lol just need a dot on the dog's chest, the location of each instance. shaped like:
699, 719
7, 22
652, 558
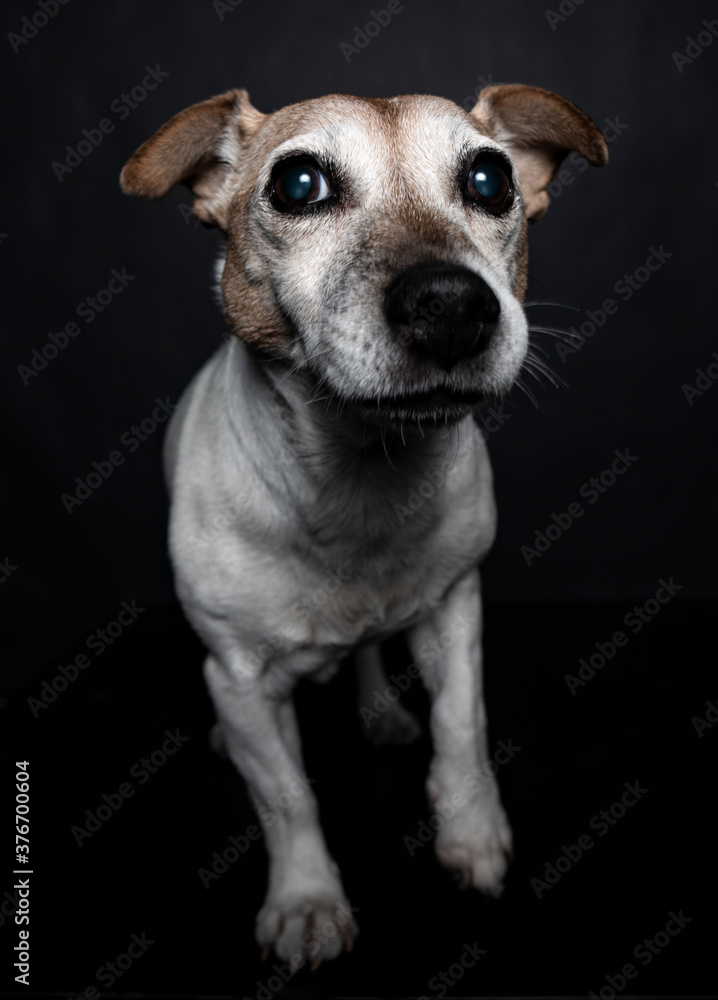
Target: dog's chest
379, 597
383, 559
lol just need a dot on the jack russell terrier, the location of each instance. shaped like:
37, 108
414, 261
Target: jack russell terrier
373, 283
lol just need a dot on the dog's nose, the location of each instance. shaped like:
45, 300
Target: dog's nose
442, 311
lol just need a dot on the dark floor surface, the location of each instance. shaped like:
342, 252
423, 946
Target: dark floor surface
138, 873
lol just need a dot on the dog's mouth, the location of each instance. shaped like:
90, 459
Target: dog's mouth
439, 406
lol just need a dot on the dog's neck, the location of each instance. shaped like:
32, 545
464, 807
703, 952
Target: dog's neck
322, 458
328, 427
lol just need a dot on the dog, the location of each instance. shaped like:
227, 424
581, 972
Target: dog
373, 284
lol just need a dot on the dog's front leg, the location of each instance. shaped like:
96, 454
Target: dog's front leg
305, 916
394, 724
475, 837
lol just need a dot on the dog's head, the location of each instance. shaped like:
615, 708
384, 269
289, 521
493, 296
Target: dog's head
378, 245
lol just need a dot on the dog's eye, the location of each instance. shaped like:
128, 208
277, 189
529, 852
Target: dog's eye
301, 184
489, 184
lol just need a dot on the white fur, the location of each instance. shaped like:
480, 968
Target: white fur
287, 547
287, 521
295, 464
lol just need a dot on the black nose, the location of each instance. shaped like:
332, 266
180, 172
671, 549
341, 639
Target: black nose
442, 311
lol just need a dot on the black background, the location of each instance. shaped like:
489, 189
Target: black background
61, 240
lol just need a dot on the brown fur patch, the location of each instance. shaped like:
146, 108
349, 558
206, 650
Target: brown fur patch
191, 149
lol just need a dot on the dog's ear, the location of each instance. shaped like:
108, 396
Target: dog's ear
199, 147
538, 128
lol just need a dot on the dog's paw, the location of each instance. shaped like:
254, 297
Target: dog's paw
306, 929
477, 846
396, 725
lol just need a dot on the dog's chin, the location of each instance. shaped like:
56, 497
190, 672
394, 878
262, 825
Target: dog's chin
440, 406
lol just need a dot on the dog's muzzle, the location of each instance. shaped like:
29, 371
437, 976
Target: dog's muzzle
443, 312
